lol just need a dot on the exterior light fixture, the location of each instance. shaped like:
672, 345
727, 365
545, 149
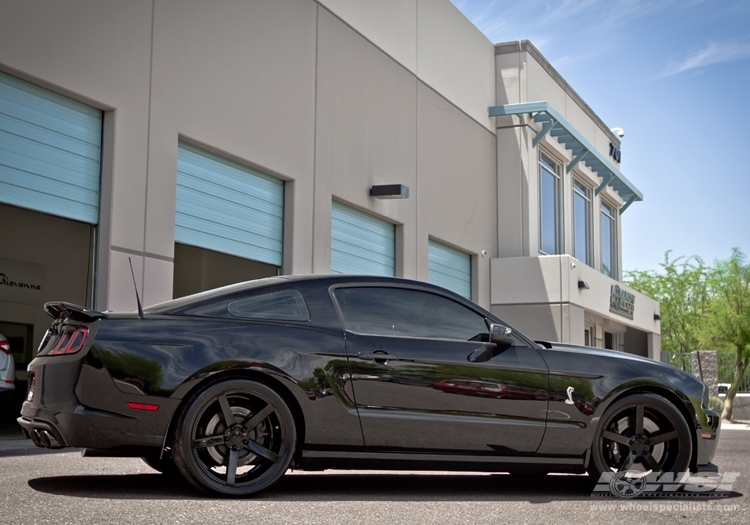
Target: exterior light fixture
657, 317
583, 285
390, 191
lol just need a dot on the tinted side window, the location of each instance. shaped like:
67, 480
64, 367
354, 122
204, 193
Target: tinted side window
287, 305
412, 313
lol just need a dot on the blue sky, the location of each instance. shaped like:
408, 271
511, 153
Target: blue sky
675, 75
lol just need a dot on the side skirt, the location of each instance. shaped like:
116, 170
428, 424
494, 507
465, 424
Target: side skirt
355, 460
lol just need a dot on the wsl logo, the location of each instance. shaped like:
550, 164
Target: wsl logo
628, 484
635, 484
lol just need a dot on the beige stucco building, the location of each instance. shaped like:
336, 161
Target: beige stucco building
213, 142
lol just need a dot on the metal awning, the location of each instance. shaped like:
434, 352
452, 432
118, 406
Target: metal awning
554, 124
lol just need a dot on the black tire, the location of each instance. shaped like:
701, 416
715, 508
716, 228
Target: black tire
235, 438
163, 464
641, 432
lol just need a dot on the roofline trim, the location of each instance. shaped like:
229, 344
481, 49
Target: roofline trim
556, 125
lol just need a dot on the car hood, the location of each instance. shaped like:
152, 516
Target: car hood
613, 354
641, 368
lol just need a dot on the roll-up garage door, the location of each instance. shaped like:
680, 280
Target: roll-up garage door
450, 268
50, 151
226, 207
361, 243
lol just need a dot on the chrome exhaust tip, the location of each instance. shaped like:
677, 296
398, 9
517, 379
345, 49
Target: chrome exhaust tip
36, 437
44, 437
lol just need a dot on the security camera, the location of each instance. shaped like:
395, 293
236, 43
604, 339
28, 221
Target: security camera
618, 131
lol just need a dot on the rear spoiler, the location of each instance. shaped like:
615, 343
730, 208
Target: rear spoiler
56, 310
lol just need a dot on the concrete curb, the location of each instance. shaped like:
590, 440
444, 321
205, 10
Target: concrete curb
735, 425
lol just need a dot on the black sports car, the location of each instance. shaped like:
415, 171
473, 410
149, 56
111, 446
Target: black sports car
233, 386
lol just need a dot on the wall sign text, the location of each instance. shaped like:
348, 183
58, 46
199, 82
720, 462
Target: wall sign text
615, 152
621, 302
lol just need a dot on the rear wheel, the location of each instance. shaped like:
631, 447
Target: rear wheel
642, 433
235, 438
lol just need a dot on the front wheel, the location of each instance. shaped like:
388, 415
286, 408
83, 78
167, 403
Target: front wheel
235, 438
644, 433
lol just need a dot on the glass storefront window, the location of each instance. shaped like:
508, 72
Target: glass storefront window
549, 206
582, 222
609, 240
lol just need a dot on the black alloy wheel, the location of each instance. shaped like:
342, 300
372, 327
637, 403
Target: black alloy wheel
234, 438
644, 433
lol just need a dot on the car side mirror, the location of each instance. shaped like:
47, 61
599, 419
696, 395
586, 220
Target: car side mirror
500, 335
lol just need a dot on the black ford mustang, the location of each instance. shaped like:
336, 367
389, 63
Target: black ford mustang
233, 386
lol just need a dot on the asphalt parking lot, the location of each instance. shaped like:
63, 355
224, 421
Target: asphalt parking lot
61, 487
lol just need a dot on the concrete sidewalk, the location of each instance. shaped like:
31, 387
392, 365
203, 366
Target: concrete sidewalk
735, 425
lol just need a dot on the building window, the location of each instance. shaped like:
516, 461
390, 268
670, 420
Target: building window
549, 206
589, 338
582, 223
609, 240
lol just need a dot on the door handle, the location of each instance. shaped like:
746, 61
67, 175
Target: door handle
379, 356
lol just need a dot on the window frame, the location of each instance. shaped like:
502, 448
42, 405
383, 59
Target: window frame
589, 330
583, 190
546, 162
521, 340
347, 325
608, 210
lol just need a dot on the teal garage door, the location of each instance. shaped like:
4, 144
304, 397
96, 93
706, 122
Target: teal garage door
50, 151
229, 208
361, 243
450, 268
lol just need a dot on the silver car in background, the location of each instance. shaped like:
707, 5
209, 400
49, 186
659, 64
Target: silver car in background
7, 370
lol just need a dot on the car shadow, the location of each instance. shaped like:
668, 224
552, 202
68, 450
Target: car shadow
348, 487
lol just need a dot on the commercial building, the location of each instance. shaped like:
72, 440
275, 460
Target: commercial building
214, 142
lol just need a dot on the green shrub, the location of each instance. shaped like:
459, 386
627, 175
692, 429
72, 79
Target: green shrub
716, 404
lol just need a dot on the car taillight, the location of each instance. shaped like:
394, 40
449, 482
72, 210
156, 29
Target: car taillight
70, 341
5, 346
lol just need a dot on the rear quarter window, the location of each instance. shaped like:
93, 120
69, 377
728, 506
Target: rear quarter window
286, 305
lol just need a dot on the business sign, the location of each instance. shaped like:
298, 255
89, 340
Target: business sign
615, 152
621, 302
21, 282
